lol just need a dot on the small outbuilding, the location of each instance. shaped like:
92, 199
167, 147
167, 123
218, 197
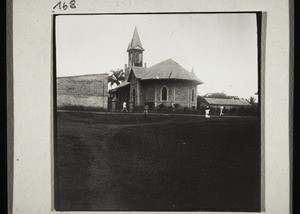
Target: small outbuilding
226, 103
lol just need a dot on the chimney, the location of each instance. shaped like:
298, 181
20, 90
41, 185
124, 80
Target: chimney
125, 67
145, 65
192, 70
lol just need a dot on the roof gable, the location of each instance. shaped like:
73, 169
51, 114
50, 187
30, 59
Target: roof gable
138, 72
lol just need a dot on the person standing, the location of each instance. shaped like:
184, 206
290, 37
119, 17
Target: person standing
146, 110
207, 116
221, 110
124, 107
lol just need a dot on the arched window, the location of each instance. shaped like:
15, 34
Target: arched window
193, 95
164, 93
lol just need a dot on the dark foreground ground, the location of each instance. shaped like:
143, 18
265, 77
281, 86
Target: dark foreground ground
165, 163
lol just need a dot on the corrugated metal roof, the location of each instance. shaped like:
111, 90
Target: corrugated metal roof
169, 69
227, 102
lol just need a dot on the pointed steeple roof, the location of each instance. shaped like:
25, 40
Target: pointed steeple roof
135, 41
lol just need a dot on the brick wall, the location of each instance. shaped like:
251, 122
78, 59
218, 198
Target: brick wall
83, 91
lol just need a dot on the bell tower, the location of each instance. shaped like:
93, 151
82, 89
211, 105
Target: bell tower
135, 50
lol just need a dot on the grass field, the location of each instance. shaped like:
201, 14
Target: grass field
163, 163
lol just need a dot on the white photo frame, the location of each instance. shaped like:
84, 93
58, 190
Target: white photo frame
31, 139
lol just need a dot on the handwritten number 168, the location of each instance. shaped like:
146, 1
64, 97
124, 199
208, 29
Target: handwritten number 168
65, 6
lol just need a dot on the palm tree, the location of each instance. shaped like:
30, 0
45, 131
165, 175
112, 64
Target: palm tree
252, 100
117, 77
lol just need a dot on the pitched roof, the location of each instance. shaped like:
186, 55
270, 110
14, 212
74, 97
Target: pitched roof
139, 72
169, 69
125, 83
227, 102
135, 41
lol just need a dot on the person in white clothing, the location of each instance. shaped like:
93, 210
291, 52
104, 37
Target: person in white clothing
124, 107
221, 110
207, 112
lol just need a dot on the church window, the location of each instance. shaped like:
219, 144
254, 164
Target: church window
164, 93
193, 95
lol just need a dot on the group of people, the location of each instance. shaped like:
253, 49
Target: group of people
207, 110
146, 110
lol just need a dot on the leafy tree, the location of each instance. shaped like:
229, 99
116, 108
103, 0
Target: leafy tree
216, 95
116, 77
220, 95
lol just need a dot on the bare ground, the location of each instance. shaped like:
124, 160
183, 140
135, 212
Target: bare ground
163, 163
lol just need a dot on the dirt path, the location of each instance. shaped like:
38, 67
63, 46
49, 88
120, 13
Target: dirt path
106, 164
100, 168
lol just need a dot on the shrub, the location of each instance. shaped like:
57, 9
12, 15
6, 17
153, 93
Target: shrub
81, 108
161, 106
138, 108
177, 106
232, 111
201, 109
151, 105
225, 110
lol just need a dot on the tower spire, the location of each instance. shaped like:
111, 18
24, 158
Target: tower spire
135, 41
135, 50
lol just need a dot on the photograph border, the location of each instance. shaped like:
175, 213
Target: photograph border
261, 34
31, 154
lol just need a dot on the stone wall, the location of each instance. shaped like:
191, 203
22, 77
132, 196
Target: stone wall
178, 92
147, 92
90, 91
183, 94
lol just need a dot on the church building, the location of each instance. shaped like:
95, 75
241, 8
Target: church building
165, 83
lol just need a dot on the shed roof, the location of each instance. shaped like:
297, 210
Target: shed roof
169, 69
227, 102
125, 83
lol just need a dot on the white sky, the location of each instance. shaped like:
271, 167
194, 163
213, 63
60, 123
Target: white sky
222, 48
